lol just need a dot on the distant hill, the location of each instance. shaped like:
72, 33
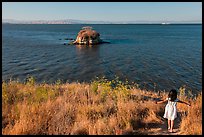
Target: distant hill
66, 21
72, 21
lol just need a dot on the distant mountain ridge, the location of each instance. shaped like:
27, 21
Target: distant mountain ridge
73, 21
66, 21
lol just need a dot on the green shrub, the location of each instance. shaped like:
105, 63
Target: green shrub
41, 94
30, 80
94, 87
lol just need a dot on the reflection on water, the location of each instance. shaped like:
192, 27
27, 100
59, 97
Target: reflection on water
87, 48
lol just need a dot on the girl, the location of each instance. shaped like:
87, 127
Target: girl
171, 109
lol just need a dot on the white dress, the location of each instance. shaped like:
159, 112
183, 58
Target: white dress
171, 109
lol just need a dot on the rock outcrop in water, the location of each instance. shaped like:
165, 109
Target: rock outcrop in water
87, 36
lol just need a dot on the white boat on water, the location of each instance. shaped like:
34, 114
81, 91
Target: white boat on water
164, 23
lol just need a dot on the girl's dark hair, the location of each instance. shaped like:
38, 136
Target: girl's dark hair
172, 95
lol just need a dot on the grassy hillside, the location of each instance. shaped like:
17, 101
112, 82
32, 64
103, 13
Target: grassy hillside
101, 107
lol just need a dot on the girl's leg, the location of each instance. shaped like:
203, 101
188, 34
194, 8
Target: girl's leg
172, 124
169, 124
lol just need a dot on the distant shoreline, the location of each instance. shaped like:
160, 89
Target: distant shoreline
107, 24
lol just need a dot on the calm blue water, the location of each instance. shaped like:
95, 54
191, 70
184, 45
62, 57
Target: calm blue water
169, 56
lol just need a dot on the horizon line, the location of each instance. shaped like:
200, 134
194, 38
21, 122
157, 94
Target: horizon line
144, 21
105, 24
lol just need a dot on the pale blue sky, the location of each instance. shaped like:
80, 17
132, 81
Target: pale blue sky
103, 11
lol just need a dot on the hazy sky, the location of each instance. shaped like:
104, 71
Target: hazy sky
103, 11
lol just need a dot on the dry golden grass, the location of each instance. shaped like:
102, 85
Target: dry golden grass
191, 123
88, 109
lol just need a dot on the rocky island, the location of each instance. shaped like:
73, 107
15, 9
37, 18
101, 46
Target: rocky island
87, 36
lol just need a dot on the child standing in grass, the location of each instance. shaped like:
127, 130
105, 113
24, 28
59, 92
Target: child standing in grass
171, 109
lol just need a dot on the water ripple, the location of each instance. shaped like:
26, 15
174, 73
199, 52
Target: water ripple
168, 56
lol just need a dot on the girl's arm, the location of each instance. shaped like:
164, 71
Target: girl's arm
184, 103
159, 102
